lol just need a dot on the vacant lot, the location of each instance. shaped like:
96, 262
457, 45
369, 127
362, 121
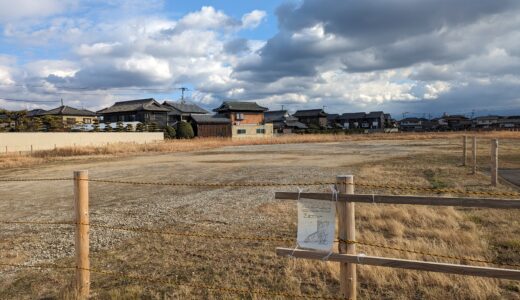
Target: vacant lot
493, 235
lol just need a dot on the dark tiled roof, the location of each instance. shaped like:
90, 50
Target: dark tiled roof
332, 117
299, 125
68, 111
186, 108
488, 118
35, 112
275, 116
375, 114
134, 105
210, 119
349, 116
413, 120
240, 106
310, 113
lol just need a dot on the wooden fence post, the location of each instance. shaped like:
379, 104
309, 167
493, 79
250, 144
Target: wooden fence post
464, 150
347, 232
494, 162
474, 155
82, 234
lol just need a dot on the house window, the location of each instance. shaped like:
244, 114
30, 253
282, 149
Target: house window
241, 131
71, 121
152, 117
87, 121
260, 131
239, 116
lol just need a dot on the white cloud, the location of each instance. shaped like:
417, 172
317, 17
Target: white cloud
44, 68
96, 49
15, 10
253, 19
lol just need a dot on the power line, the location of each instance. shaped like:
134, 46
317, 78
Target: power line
29, 101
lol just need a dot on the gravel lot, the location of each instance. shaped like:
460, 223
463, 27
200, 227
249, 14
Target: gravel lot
209, 210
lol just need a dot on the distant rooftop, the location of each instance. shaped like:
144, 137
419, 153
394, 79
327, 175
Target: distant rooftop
310, 113
185, 107
67, 111
210, 119
148, 104
240, 106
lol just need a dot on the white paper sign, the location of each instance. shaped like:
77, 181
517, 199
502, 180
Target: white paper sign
316, 224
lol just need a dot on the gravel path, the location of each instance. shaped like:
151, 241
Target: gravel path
173, 207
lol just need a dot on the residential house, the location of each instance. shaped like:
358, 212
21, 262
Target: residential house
247, 119
182, 111
211, 125
316, 118
486, 122
457, 122
510, 122
415, 124
69, 115
146, 111
372, 120
375, 119
333, 121
283, 122
353, 120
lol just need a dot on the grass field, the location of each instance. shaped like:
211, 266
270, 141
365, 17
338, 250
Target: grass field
488, 234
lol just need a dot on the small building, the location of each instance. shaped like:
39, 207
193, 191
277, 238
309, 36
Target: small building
69, 115
211, 125
415, 124
456, 122
353, 120
283, 122
510, 122
247, 119
146, 111
375, 119
486, 122
333, 121
182, 111
312, 117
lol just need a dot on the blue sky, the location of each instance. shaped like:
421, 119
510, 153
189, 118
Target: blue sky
422, 57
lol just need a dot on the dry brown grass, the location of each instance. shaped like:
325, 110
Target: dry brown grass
171, 146
488, 234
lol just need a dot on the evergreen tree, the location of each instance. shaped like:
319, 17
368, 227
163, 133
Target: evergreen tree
169, 132
120, 126
95, 125
184, 130
139, 127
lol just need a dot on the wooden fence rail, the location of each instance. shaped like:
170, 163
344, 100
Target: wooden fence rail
413, 200
348, 258
404, 264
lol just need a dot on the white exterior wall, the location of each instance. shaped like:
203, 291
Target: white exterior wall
251, 130
22, 141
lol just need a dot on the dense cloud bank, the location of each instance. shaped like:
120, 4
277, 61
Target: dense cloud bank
425, 56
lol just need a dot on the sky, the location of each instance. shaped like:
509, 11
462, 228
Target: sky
406, 57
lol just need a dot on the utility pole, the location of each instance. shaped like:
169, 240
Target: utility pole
324, 106
61, 101
282, 106
183, 89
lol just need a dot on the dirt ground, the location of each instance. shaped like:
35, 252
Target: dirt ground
244, 211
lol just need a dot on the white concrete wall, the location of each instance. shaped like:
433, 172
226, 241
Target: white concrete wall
251, 130
22, 141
